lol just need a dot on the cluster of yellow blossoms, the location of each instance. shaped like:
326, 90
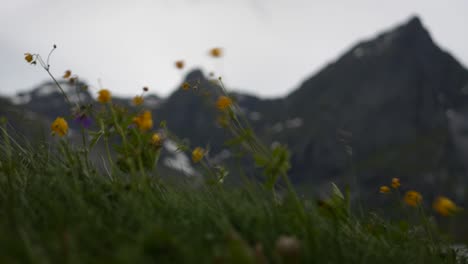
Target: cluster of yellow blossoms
156, 139
29, 57
197, 154
395, 184
223, 103
179, 64
59, 127
144, 121
104, 96
216, 52
67, 74
138, 100
185, 86
442, 205
413, 198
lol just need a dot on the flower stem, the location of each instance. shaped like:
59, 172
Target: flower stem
59, 86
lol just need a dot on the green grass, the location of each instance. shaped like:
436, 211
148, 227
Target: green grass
58, 209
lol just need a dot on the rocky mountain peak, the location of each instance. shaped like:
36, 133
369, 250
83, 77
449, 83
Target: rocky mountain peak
195, 75
414, 26
409, 37
412, 32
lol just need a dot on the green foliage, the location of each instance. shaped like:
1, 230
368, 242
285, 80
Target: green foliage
337, 206
275, 165
56, 207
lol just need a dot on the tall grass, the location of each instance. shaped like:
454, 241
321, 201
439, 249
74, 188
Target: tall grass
56, 207
52, 212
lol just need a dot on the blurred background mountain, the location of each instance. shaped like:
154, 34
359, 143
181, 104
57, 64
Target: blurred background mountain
392, 106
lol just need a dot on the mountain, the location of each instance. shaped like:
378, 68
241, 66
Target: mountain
386, 101
392, 106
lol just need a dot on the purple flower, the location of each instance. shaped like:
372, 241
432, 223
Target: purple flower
83, 120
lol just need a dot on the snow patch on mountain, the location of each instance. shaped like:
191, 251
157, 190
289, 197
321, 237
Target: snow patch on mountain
179, 160
46, 90
22, 98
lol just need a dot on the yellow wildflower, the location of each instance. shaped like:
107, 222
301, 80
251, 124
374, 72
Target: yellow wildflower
185, 86
412, 198
144, 121
384, 189
444, 206
216, 52
59, 126
223, 102
156, 139
198, 154
28, 57
104, 96
67, 74
179, 64
395, 183
137, 100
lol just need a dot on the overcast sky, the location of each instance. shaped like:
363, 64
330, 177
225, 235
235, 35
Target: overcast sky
270, 45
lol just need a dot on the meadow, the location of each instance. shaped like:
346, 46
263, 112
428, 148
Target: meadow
58, 206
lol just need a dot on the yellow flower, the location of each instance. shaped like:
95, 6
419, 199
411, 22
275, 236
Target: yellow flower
104, 96
185, 86
197, 154
179, 64
67, 74
395, 183
137, 100
28, 57
412, 198
223, 102
444, 206
384, 189
144, 121
216, 52
59, 126
156, 139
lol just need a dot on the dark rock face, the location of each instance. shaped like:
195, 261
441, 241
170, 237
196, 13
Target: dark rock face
386, 101
392, 106
46, 99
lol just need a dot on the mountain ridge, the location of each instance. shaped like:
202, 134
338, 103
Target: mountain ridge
379, 109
